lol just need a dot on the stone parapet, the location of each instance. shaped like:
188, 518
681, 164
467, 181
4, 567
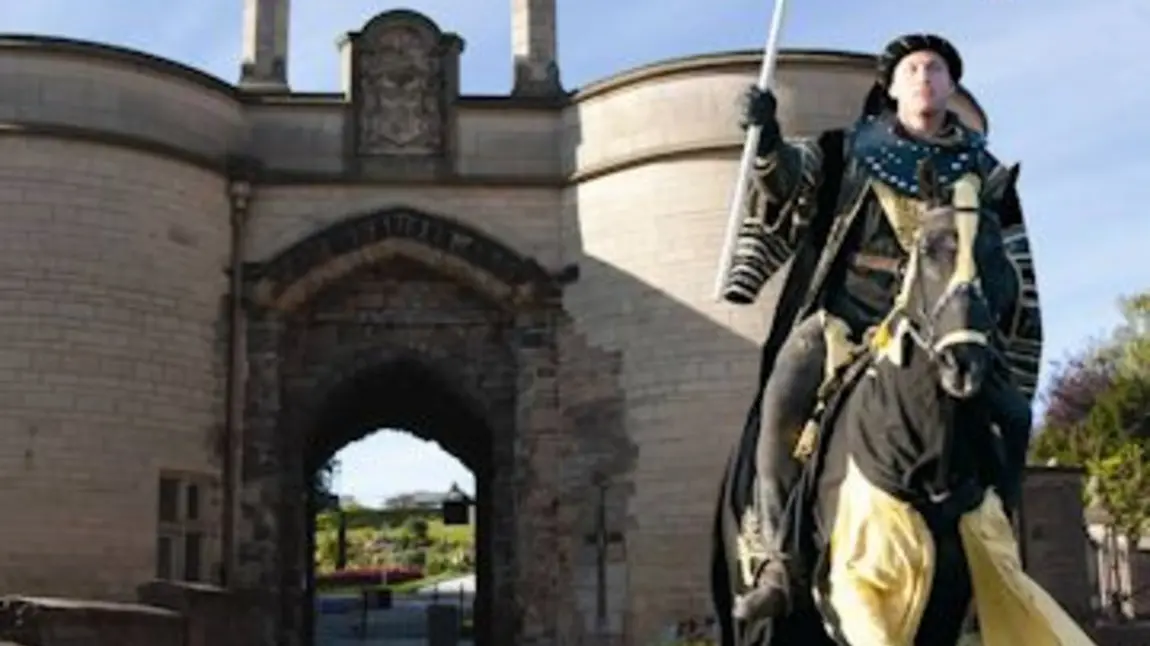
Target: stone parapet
39, 621
1053, 537
212, 616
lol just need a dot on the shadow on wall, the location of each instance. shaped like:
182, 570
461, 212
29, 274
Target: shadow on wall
646, 239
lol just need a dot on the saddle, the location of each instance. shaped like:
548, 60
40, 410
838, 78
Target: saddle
845, 359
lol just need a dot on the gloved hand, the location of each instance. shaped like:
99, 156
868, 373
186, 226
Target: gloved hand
759, 108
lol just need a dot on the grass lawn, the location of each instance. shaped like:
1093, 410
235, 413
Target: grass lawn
450, 533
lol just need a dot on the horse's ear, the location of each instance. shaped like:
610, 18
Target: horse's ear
998, 182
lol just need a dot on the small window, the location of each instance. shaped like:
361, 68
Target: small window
193, 502
169, 500
164, 554
183, 528
193, 556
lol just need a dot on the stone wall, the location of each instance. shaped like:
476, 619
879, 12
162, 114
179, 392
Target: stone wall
632, 384
1053, 535
110, 301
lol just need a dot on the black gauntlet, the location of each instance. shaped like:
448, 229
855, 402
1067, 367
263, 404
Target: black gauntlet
759, 108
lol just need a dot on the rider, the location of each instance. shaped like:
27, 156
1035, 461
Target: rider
842, 210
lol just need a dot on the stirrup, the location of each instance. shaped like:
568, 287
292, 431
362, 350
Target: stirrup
750, 604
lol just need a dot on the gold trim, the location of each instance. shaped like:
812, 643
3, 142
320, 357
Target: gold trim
902, 212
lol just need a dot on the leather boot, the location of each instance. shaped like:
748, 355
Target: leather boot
771, 596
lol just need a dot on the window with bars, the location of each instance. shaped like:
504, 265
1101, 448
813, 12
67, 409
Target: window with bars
182, 528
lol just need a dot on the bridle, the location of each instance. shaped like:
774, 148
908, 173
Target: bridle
911, 317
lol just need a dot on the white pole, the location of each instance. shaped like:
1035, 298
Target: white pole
750, 146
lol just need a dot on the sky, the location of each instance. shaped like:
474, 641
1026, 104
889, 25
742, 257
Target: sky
1064, 82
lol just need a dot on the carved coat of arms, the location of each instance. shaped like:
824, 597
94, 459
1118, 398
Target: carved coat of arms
399, 93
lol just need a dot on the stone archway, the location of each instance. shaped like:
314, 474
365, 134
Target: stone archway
364, 384
390, 300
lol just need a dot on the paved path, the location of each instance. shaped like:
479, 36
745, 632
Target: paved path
465, 584
404, 624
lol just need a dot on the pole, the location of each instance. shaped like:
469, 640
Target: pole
750, 146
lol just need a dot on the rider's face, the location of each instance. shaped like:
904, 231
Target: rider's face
921, 83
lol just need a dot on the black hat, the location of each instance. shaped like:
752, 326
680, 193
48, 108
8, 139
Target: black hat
877, 100
903, 46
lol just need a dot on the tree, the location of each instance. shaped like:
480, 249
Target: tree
1098, 418
1087, 377
1121, 466
1077, 385
324, 479
1132, 338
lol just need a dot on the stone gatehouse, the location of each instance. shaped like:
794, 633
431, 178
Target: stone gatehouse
208, 289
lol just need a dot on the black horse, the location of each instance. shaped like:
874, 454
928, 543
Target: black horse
922, 423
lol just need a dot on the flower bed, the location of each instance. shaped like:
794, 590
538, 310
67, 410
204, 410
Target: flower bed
368, 576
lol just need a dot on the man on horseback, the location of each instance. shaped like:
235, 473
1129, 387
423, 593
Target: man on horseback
829, 225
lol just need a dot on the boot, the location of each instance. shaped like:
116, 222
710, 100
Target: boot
771, 596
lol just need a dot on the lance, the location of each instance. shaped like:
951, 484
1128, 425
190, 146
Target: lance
750, 147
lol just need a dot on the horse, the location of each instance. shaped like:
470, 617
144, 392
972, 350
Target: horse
915, 438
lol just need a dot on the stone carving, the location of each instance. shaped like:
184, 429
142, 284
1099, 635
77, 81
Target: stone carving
399, 91
269, 281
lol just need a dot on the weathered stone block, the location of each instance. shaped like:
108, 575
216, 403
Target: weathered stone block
1134, 634
35, 621
213, 616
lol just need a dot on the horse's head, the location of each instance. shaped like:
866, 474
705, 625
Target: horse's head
943, 305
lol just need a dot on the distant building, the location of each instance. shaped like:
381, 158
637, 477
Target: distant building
431, 500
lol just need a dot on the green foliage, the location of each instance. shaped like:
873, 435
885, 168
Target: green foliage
323, 478
1102, 420
377, 538
1133, 337
1122, 482
1121, 466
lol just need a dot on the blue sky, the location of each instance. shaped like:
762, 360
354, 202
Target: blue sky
1064, 82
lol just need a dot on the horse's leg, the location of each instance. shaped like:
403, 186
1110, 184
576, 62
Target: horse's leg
950, 592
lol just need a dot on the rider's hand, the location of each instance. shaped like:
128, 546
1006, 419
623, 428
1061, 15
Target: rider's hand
759, 108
